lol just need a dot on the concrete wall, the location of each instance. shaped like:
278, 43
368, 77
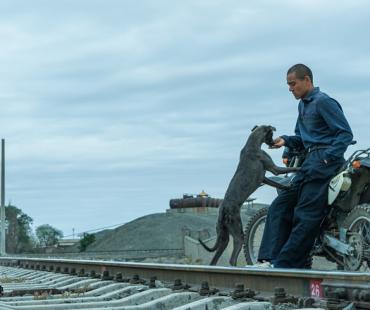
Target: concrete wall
201, 210
198, 255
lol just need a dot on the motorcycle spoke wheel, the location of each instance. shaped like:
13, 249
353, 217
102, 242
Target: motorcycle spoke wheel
253, 235
358, 224
354, 262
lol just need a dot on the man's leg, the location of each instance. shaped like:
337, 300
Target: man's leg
308, 215
278, 224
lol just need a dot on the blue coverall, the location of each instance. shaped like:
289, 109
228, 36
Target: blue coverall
294, 217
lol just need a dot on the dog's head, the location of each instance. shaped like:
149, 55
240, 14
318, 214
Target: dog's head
267, 131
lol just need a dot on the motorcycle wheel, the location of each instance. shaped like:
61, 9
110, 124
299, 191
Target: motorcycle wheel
358, 222
253, 233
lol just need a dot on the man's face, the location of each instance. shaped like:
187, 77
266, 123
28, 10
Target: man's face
299, 87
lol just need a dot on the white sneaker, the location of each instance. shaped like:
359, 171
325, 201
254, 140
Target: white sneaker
264, 265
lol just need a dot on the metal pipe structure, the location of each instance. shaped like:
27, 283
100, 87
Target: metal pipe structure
2, 207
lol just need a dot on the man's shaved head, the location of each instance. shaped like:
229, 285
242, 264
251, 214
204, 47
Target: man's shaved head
301, 71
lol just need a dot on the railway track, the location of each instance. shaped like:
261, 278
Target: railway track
38, 283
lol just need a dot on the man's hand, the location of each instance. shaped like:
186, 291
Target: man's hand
278, 142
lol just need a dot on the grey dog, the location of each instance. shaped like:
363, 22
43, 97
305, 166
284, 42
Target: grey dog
250, 173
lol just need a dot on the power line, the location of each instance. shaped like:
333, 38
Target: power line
95, 230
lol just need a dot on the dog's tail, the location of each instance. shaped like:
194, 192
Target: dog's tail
222, 229
212, 249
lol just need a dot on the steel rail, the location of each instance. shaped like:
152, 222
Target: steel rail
298, 282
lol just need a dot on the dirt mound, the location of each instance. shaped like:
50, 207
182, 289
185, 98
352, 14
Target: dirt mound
155, 231
159, 231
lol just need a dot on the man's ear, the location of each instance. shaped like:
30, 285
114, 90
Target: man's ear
254, 128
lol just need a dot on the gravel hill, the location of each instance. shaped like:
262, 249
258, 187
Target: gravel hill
158, 231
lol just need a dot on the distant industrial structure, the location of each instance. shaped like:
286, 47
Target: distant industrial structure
201, 200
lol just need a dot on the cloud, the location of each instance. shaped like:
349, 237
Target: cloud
109, 110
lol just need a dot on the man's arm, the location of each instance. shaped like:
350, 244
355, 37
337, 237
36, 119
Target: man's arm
293, 142
332, 113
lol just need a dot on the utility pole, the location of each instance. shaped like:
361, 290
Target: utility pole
2, 207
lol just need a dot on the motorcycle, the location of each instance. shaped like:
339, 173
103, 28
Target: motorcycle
344, 236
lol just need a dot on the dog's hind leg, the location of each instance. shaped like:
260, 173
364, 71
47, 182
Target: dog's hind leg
238, 238
224, 241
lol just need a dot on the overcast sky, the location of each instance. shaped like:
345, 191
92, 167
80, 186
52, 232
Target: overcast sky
111, 108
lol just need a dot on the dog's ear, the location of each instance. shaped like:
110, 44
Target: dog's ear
254, 128
272, 128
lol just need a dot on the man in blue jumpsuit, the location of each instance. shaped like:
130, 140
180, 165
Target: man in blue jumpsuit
294, 217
